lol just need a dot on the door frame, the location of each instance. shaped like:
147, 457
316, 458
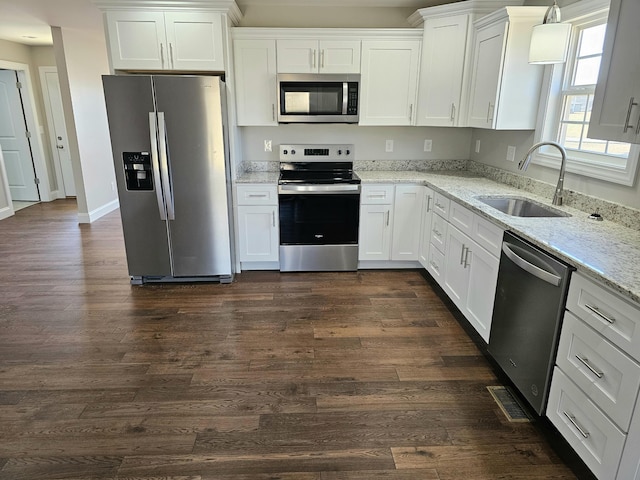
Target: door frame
31, 115
60, 192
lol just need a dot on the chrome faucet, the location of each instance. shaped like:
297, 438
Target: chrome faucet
557, 196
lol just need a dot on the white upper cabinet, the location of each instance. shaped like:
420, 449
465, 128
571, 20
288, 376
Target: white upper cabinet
389, 81
616, 105
255, 68
302, 55
505, 89
441, 71
150, 40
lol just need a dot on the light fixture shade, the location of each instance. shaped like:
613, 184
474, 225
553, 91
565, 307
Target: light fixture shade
549, 43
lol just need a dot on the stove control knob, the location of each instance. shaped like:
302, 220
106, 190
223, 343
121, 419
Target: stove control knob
339, 152
347, 152
293, 152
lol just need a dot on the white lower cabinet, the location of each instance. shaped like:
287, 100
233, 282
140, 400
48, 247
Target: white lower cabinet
390, 220
258, 226
595, 384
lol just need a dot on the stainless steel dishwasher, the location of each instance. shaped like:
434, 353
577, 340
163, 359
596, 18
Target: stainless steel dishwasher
527, 314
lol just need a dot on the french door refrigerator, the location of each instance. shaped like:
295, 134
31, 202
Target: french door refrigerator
172, 170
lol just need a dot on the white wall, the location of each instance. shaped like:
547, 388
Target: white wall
448, 143
82, 60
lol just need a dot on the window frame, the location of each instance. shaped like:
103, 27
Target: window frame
581, 14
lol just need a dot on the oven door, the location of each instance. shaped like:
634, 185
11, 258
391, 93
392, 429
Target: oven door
319, 216
319, 227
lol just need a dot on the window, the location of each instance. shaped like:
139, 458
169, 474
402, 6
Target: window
567, 111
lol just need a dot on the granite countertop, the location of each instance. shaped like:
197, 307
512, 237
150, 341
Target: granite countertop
605, 251
258, 177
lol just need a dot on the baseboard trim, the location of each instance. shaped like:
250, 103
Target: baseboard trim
97, 213
6, 212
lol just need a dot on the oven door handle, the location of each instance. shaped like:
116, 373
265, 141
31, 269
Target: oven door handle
319, 189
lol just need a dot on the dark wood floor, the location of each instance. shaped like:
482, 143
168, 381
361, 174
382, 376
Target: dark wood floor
319, 376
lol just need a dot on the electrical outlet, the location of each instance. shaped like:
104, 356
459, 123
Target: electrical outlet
427, 145
388, 147
267, 145
511, 153
477, 146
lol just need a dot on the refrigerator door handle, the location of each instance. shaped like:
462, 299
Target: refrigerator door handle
153, 134
164, 166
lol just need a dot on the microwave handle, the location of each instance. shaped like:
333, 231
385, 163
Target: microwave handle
345, 97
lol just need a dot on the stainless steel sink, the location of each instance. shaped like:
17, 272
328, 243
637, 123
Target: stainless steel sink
521, 207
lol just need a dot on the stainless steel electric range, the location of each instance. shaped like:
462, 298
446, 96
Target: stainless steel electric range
319, 198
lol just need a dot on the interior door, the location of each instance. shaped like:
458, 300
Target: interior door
55, 117
14, 142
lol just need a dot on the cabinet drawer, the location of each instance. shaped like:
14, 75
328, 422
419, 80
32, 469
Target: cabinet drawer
607, 312
488, 235
461, 217
591, 434
377, 195
609, 377
435, 265
441, 205
257, 194
439, 228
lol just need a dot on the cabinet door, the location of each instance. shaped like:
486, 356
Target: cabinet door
486, 71
374, 241
483, 277
407, 219
255, 66
441, 70
258, 233
389, 82
456, 274
137, 40
425, 231
298, 56
616, 105
195, 41
339, 56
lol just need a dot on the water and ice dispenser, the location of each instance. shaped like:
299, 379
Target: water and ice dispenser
137, 170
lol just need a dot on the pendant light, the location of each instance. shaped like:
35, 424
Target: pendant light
550, 40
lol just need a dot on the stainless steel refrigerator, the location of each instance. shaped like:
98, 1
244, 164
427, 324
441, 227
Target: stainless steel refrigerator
168, 136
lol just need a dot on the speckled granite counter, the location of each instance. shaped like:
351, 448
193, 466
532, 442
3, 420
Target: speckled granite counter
603, 250
258, 177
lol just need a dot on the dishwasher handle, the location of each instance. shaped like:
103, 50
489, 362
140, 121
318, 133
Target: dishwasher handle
529, 267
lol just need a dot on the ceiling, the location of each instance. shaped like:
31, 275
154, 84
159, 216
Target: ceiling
28, 21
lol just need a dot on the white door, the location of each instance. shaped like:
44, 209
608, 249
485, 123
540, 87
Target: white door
15, 144
57, 129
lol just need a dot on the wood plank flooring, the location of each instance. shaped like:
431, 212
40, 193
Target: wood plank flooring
298, 376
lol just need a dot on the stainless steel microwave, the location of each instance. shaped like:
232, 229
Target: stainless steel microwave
318, 98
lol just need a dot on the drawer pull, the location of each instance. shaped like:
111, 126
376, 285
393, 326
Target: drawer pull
439, 205
257, 195
585, 362
573, 421
600, 314
434, 266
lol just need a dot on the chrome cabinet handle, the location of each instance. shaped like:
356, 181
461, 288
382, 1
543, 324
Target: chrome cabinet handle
314, 58
462, 254
466, 258
626, 122
162, 54
428, 203
453, 112
597, 311
434, 266
411, 112
437, 233
257, 195
273, 112
171, 55
573, 421
273, 218
322, 58
387, 218
585, 362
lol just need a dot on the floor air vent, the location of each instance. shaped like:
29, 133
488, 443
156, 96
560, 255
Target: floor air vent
508, 404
